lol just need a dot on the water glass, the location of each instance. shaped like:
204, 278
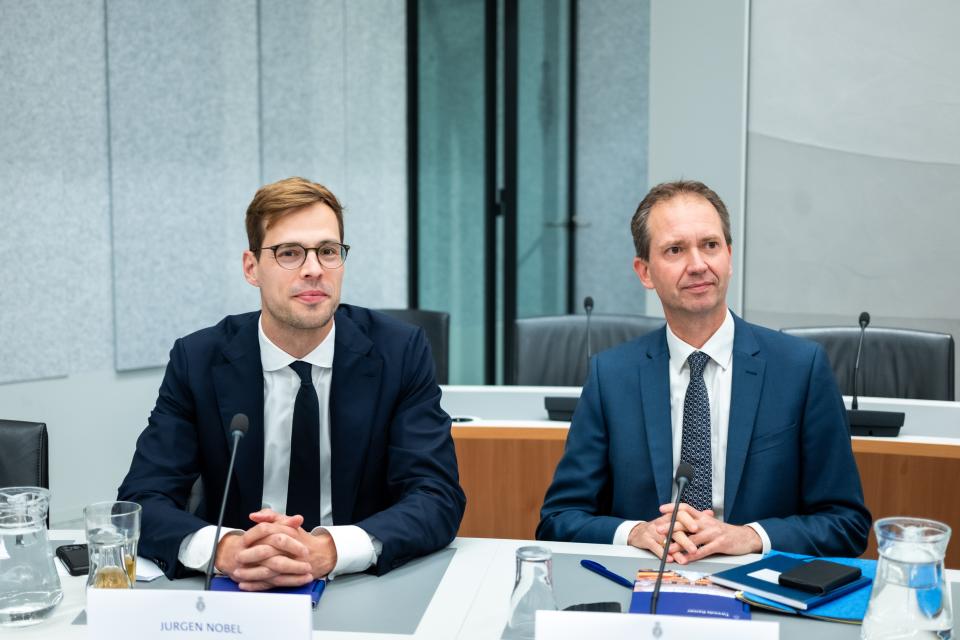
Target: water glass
29, 584
910, 597
113, 531
532, 591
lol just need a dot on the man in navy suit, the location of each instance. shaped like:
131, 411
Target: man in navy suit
348, 462
757, 414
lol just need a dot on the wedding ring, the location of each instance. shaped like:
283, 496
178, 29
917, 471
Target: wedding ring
664, 543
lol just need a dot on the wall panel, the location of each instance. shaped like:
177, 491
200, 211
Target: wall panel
55, 310
185, 156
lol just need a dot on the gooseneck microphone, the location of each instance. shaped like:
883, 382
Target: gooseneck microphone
588, 308
683, 478
865, 422
864, 321
238, 427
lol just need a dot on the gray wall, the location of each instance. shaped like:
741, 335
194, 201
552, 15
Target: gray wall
698, 98
134, 135
853, 174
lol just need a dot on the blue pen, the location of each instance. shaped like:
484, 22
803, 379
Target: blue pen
598, 568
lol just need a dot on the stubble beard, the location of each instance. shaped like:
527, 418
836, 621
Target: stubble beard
305, 322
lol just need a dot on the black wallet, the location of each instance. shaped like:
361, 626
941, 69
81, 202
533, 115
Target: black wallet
819, 576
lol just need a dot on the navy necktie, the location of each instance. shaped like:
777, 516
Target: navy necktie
303, 487
695, 446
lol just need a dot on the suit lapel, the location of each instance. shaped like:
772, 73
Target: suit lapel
354, 391
655, 393
747, 383
239, 387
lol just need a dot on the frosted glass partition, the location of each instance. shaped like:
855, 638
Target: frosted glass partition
451, 176
613, 69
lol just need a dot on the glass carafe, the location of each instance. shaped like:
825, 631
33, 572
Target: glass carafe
29, 584
532, 591
910, 597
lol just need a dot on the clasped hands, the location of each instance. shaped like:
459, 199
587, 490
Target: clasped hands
275, 552
697, 534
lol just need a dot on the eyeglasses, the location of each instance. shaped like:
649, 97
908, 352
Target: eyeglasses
291, 255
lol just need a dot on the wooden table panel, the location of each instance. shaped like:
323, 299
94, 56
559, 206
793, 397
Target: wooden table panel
505, 473
899, 485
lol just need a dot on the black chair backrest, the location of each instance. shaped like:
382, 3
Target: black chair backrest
436, 324
23, 454
895, 363
552, 350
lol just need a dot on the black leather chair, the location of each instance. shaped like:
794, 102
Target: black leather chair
23, 454
895, 363
552, 350
436, 324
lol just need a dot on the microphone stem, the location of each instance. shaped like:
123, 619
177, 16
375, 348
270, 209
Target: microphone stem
655, 596
223, 507
589, 347
856, 369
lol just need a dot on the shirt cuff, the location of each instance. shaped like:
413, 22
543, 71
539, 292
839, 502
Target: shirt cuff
195, 548
764, 538
622, 534
357, 550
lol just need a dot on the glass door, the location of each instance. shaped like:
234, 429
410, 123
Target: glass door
492, 86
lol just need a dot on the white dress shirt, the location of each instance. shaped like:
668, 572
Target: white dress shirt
718, 378
356, 550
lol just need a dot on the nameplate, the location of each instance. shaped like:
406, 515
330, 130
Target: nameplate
576, 625
152, 614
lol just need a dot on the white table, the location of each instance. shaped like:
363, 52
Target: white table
470, 603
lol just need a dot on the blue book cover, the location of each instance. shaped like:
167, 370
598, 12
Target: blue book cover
758, 581
313, 589
687, 593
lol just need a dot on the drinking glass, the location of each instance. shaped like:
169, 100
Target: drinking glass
113, 531
29, 584
532, 591
910, 597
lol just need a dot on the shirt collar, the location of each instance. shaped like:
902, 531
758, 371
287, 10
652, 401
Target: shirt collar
273, 358
719, 347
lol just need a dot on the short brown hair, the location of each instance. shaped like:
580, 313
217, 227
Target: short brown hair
275, 200
667, 191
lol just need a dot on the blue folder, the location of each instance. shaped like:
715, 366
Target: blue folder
850, 607
313, 589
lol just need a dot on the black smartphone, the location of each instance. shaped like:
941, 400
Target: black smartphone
74, 557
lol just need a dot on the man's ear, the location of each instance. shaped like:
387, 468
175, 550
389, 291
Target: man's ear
642, 268
250, 268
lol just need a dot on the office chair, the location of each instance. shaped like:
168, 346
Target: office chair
23, 454
895, 363
552, 350
436, 324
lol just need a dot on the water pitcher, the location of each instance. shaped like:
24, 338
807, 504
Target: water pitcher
29, 585
910, 597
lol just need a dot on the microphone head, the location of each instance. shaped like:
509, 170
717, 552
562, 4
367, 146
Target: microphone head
588, 303
684, 472
239, 424
864, 319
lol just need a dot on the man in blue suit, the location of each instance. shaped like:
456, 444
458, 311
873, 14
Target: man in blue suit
756, 413
348, 462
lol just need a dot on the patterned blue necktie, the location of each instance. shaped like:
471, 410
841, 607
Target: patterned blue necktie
695, 446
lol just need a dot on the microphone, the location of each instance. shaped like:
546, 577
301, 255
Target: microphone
588, 307
864, 422
683, 478
864, 321
238, 427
